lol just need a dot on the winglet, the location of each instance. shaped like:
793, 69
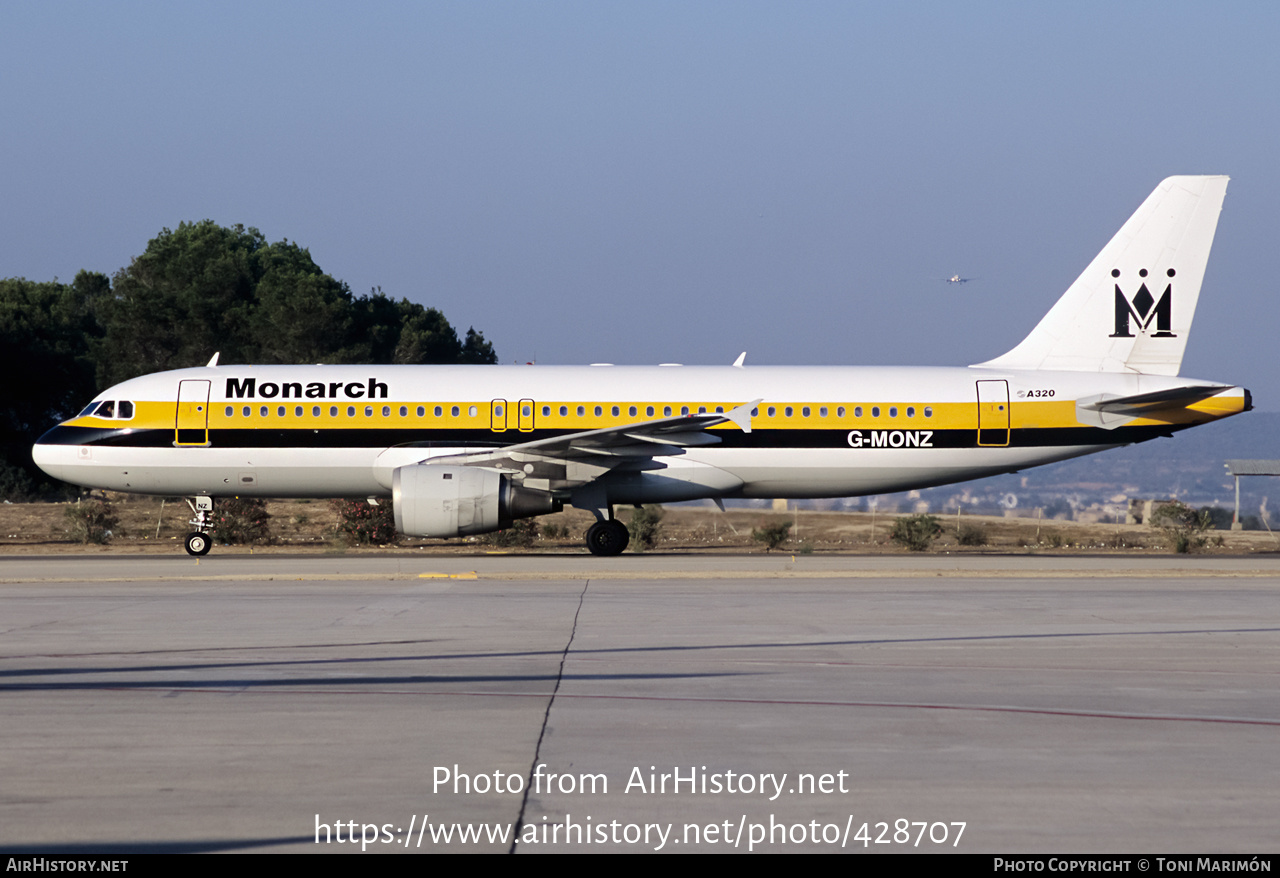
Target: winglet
212, 362
742, 414
742, 358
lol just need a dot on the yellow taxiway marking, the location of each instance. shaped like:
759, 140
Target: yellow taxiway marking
470, 574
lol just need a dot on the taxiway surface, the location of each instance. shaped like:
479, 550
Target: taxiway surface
1096, 704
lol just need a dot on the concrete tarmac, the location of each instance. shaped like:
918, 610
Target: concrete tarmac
996, 704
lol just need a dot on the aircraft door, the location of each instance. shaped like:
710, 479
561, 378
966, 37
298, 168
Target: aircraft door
993, 413
498, 415
526, 415
191, 424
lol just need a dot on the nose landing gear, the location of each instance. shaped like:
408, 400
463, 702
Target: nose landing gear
199, 542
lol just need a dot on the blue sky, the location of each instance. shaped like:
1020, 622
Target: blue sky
661, 182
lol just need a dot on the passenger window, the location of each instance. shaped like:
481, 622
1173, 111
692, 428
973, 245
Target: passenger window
840, 412
893, 411
351, 411
805, 411
616, 411
422, 411
526, 410
719, 410
455, 411
684, 410
928, 411
386, 411
315, 411
582, 411
333, 411
404, 411
648, 411
875, 411
772, 411
231, 411
264, 411
631, 412
911, 411
439, 412
497, 411
599, 411
546, 411
702, 409
473, 411
666, 411
368, 411
755, 412
822, 411
280, 411
788, 411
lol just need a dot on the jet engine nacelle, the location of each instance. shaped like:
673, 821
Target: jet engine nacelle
456, 501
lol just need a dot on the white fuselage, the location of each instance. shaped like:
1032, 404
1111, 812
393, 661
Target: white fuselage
325, 431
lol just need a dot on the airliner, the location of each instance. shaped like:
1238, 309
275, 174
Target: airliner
465, 450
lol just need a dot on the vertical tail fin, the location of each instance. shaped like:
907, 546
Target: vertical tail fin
1131, 309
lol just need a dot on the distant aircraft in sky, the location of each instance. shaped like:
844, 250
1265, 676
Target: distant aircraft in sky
957, 279
469, 449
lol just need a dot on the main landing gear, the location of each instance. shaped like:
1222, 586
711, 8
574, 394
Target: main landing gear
607, 537
199, 542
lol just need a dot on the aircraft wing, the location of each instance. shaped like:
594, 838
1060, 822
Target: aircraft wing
575, 459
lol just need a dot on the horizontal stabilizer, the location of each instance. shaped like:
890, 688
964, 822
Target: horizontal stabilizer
1110, 412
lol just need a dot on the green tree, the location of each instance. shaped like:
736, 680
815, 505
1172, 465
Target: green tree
189, 294
520, 535
477, 351
301, 315
1182, 525
46, 333
773, 534
203, 288
916, 532
365, 524
241, 520
195, 290
91, 521
645, 526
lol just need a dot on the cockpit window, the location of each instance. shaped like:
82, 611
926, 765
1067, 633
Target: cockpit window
121, 410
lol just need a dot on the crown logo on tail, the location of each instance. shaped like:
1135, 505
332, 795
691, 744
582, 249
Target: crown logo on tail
1144, 309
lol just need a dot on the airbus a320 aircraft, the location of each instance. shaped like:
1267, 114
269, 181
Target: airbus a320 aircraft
468, 449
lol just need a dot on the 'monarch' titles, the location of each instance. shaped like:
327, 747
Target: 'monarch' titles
249, 388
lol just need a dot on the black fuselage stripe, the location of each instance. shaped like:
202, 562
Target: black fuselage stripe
453, 438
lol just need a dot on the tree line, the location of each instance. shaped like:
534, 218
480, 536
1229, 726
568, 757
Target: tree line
196, 290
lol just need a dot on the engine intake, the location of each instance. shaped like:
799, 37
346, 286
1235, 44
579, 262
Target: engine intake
433, 500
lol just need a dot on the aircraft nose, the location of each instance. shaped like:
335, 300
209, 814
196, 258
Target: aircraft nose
55, 454
46, 457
